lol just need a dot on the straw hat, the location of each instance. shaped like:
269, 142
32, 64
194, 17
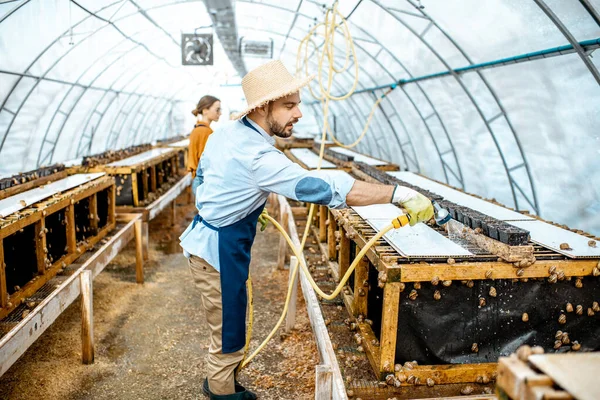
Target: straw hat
269, 82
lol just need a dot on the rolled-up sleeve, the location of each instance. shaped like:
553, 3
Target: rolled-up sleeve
274, 172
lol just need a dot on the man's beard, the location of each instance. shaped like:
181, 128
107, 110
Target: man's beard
277, 129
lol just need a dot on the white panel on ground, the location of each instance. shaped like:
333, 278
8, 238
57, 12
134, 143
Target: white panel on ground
358, 157
410, 241
20, 201
552, 237
181, 143
463, 199
139, 158
310, 159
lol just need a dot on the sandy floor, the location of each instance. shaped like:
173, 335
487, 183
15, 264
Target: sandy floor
151, 339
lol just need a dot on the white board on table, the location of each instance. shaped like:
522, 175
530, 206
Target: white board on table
460, 198
552, 236
181, 143
19, 201
358, 156
410, 241
310, 159
139, 158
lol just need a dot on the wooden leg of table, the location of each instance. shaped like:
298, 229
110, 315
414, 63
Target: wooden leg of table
361, 291
139, 256
389, 326
323, 382
87, 318
146, 241
290, 319
173, 212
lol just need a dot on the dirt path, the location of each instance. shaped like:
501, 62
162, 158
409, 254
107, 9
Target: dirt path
151, 339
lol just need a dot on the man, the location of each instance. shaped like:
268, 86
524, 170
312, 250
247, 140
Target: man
238, 169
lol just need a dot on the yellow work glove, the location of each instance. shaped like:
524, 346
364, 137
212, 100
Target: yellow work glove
262, 218
419, 207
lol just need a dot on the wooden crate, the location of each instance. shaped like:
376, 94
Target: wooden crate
381, 305
184, 149
42, 239
142, 178
549, 376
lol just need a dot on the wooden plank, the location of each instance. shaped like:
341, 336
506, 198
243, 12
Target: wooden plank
502, 250
361, 291
283, 249
145, 185
373, 352
170, 195
389, 326
139, 256
323, 382
331, 242
344, 253
40, 245
575, 373
477, 270
112, 204
134, 190
70, 227
27, 331
290, 318
513, 375
93, 212
14, 190
326, 352
323, 223
173, 212
145, 241
3, 289
453, 373
87, 318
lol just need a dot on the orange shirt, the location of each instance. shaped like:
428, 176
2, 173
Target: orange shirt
198, 139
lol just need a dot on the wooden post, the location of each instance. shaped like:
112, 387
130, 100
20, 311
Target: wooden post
145, 182
139, 257
361, 291
283, 246
331, 243
134, 190
112, 204
87, 317
322, 223
3, 290
40, 245
344, 253
145, 241
93, 213
173, 212
290, 319
389, 327
323, 382
71, 234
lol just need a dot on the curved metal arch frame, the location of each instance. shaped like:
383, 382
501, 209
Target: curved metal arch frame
58, 110
570, 37
81, 146
401, 145
271, 6
513, 184
24, 100
445, 166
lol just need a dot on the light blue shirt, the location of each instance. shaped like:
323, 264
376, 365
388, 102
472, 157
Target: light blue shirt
238, 169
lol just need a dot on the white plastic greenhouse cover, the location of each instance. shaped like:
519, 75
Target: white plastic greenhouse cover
82, 76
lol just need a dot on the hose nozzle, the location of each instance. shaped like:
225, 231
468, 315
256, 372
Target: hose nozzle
441, 215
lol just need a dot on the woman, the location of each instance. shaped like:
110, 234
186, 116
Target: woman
207, 111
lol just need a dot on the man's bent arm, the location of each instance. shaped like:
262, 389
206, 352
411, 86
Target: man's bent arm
364, 194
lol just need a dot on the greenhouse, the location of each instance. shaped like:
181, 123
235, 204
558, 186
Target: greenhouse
349, 199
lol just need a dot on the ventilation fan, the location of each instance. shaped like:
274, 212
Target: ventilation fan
197, 49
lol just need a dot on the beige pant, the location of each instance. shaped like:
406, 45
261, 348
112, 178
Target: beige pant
220, 367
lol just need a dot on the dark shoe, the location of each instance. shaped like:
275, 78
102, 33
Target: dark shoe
240, 393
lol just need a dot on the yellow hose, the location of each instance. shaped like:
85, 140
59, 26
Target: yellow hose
397, 222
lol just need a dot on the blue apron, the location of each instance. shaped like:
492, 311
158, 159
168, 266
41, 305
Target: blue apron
235, 245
